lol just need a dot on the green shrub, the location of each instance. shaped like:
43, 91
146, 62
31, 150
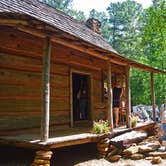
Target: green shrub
101, 127
134, 121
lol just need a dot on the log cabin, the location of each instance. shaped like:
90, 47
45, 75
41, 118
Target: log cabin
44, 56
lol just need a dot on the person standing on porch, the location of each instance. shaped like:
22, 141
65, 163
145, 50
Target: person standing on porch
117, 93
163, 119
82, 96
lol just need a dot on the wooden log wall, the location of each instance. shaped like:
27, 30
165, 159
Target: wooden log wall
20, 80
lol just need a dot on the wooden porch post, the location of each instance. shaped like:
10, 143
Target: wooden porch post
110, 110
153, 95
45, 114
128, 98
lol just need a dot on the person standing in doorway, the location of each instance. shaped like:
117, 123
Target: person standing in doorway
82, 96
117, 93
163, 119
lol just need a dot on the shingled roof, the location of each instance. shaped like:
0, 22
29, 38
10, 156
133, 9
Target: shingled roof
55, 18
67, 24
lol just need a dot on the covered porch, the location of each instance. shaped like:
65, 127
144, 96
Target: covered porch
65, 137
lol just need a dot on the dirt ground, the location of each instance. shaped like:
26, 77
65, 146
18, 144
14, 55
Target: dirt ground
82, 155
103, 162
86, 155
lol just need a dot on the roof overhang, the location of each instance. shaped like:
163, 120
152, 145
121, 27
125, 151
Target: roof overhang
41, 29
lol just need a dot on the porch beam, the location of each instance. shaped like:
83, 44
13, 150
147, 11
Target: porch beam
153, 100
110, 110
128, 97
45, 114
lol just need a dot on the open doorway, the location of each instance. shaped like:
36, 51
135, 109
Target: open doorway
80, 97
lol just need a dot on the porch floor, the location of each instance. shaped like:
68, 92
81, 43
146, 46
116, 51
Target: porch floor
61, 138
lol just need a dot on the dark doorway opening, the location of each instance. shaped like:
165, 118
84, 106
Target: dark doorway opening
80, 83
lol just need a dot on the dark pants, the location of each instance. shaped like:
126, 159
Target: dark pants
83, 108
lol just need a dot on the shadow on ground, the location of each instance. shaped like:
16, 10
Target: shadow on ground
68, 156
11, 156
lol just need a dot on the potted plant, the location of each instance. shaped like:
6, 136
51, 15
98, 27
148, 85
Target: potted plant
101, 127
134, 121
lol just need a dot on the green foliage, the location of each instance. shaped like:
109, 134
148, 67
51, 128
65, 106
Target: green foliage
154, 34
101, 127
140, 87
134, 121
125, 26
154, 43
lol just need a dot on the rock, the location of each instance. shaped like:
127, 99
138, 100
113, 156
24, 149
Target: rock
158, 154
148, 147
114, 152
114, 158
103, 150
131, 150
163, 143
39, 161
100, 156
102, 145
151, 139
112, 147
128, 138
44, 157
156, 160
149, 158
43, 153
137, 156
105, 140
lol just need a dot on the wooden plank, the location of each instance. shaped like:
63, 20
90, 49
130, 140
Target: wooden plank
60, 79
6, 74
78, 64
60, 92
153, 99
64, 53
32, 98
18, 122
10, 22
10, 59
62, 118
10, 82
110, 99
128, 98
71, 98
64, 42
31, 112
8, 50
14, 39
117, 69
16, 90
60, 68
29, 68
46, 91
76, 139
